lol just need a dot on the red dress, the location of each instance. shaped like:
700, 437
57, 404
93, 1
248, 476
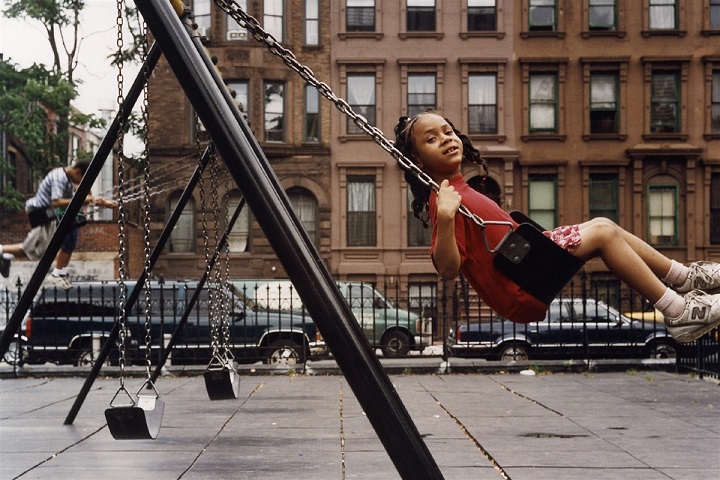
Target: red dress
499, 292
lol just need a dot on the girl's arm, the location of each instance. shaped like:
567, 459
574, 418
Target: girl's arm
446, 255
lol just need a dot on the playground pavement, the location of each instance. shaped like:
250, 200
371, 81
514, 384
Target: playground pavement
504, 423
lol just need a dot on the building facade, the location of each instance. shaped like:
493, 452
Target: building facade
581, 109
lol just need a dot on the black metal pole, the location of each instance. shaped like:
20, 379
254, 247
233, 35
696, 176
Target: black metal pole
135, 293
196, 294
271, 207
78, 200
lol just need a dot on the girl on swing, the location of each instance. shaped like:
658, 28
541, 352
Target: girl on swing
687, 296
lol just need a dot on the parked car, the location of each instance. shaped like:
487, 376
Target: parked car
70, 326
573, 328
395, 331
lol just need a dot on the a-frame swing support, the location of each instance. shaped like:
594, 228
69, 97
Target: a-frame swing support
272, 209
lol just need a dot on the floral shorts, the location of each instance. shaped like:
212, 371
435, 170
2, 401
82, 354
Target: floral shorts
567, 237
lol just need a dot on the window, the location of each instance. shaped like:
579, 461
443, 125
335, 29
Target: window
361, 216
482, 103
603, 196
233, 31
542, 200
421, 93
715, 103
238, 239
543, 103
360, 16
715, 209
239, 91
602, 15
482, 15
663, 15
603, 103
715, 14
418, 235
665, 103
541, 15
306, 208
420, 15
312, 22
312, 114
273, 18
182, 238
274, 112
201, 12
361, 98
422, 300
662, 214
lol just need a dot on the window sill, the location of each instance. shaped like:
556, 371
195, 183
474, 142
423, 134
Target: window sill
542, 34
663, 33
484, 137
351, 35
355, 138
712, 136
590, 137
709, 33
603, 33
484, 34
543, 137
435, 35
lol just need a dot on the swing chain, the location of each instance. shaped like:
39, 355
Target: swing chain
250, 23
122, 271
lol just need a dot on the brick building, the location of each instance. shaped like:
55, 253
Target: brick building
599, 107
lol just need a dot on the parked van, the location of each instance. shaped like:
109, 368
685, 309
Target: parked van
394, 330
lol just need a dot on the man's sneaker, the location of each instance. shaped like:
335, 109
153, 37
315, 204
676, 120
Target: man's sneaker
702, 314
61, 281
703, 276
5, 260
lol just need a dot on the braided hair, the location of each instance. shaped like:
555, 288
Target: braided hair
404, 142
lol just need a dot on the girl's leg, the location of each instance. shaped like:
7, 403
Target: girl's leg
635, 262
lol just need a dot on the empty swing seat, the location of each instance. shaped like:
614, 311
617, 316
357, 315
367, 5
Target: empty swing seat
222, 381
136, 421
534, 262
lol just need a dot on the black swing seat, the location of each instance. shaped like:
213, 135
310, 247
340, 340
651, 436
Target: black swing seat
222, 380
136, 421
534, 262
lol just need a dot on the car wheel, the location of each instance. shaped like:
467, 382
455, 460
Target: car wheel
663, 350
513, 352
284, 352
396, 344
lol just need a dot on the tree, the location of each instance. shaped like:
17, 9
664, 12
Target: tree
31, 100
61, 20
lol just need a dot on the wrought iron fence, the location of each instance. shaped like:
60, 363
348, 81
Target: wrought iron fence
265, 320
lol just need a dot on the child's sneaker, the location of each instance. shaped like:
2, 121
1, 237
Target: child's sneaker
703, 276
702, 314
62, 281
5, 260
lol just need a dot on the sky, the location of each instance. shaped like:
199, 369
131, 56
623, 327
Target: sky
24, 42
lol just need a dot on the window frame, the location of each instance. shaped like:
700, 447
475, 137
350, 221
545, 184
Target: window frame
359, 31
243, 224
545, 27
655, 5
311, 226
309, 21
601, 179
679, 66
350, 127
175, 243
414, 108
308, 116
371, 214
616, 110
237, 33
406, 32
540, 103
417, 234
283, 128
481, 106
534, 213
678, 19
656, 101
281, 37
472, 66
552, 66
675, 216
420, 11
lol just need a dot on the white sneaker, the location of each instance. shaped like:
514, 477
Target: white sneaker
702, 314
62, 281
703, 276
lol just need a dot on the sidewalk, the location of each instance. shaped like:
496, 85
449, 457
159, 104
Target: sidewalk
638, 425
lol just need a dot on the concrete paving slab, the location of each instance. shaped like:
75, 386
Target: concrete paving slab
555, 426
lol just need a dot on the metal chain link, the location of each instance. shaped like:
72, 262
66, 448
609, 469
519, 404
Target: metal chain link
228, 298
250, 23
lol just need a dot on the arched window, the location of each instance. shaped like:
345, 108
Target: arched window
488, 187
306, 208
182, 238
238, 240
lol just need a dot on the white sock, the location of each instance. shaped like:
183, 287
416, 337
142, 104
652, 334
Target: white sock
677, 275
59, 272
671, 304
